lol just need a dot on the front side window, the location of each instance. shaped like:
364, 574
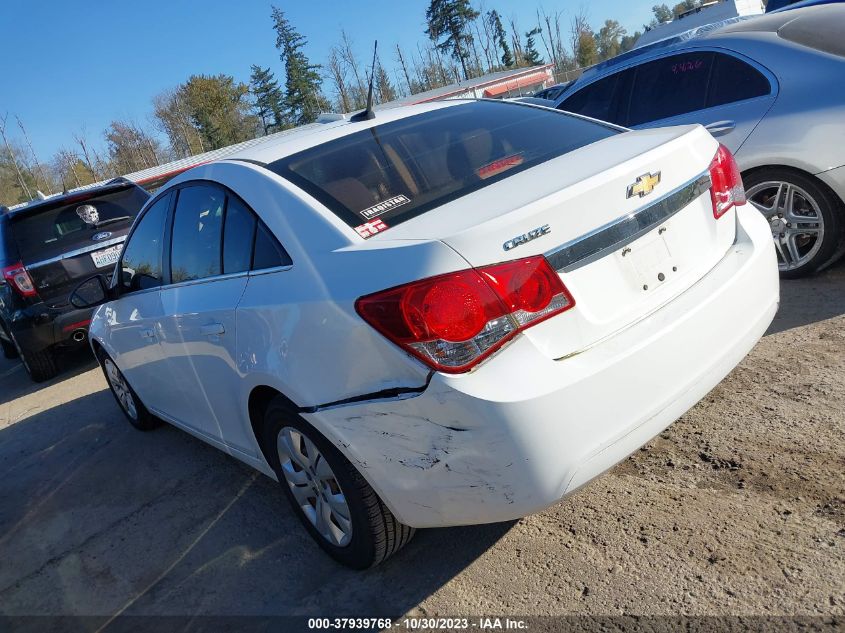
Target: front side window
395, 171
669, 87
197, 230
141, 264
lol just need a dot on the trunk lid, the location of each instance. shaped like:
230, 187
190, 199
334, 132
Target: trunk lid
621, 257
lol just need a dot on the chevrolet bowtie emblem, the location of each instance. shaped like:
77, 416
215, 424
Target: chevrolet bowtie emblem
644, 185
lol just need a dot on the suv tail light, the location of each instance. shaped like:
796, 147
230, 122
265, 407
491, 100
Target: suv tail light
20, 280
726, 190
452, 322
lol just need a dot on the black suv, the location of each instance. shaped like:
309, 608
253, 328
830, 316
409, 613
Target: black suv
46, 248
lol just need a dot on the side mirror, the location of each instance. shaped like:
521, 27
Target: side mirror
90, 293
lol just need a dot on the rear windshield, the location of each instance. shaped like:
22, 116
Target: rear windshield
52, 231
820, 29
390, 173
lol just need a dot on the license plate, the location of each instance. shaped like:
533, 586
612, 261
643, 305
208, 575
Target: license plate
107, 256
651, 262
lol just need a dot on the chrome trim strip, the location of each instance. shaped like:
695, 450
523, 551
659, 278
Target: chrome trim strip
204, 280
79, 251
267, 271
624, 230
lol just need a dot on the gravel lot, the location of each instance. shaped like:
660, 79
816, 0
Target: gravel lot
739, 508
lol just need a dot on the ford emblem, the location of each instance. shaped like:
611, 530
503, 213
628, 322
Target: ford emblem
103, 235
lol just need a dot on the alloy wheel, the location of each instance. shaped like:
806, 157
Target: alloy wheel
795, 220
314, 486
121, 389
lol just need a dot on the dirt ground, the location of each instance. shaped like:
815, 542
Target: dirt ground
738, 508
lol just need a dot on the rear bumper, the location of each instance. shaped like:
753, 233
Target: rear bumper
38, 327
522, 431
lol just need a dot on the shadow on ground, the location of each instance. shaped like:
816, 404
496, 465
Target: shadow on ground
17, 384
812, 299
97, 518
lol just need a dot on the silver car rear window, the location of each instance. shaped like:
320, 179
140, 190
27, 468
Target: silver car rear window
387, 174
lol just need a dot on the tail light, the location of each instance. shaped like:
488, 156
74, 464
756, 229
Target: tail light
452, 322
19, 279
726, 190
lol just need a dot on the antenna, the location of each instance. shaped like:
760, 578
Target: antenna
366, 115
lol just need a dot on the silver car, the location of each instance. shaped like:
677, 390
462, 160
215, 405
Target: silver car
769, 88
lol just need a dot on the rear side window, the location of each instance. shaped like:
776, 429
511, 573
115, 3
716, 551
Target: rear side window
197, 231
141, 264
734, 80
268, 252
390, 173
238, 236
669, 87
46, 233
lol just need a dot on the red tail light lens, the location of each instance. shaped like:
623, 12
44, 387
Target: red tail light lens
726, 190
19, 279
452, 322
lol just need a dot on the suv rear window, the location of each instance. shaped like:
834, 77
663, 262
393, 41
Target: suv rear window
393, 172
820, 29
45, 233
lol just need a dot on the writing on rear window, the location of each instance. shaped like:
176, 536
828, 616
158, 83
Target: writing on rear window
685, 67
384, 207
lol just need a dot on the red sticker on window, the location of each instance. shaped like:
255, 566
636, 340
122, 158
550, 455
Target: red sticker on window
368, 229
498, 166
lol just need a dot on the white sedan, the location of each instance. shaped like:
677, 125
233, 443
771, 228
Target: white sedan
453, 313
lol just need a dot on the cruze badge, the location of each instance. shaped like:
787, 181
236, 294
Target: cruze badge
519, 240
644, 185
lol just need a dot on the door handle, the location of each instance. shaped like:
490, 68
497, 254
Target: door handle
720, 128
148, 334
212, 329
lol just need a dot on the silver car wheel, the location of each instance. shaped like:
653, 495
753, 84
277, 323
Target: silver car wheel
314, 486
121, 389
795, 220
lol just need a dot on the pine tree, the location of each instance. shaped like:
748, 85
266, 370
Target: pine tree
451, 18
303, 99
532, 55
269, 102
587, 52
386, 91
500, 37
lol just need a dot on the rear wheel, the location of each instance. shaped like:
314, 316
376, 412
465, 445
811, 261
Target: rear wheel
40, 365
130, 404
334, 502
804, 216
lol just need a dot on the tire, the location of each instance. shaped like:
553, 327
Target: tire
128, 401
375, 533
818, 212
40, 365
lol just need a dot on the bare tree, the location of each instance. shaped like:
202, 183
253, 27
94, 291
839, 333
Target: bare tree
516, 43
91, 164
48, 182
14, 160
580, 24
404, 69
348, 57
337, 75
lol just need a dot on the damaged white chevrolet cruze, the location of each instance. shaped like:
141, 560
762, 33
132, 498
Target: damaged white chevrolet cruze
448, 314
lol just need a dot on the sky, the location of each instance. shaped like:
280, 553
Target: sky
72, 66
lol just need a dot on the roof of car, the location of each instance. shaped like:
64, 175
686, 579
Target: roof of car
58, 199
766, 23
